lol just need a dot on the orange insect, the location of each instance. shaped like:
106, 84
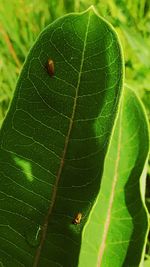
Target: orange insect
77, 218
50, 67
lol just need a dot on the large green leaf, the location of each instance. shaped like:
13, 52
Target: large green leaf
54, 140
115, 234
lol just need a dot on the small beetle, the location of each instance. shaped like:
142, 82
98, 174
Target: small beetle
50, 67
77, 218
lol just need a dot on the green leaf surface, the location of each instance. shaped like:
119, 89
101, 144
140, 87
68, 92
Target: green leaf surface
115, 234
54, 139
146, 263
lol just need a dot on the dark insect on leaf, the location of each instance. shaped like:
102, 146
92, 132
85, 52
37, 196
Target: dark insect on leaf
77, 218
50, 67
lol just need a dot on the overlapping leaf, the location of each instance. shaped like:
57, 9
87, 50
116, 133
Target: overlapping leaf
115, 234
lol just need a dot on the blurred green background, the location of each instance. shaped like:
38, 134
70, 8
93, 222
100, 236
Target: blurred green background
22, 20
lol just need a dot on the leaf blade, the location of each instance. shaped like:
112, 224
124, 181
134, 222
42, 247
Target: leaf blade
50, 135
119, 216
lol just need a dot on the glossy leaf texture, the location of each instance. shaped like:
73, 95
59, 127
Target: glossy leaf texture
54, 140
115, 234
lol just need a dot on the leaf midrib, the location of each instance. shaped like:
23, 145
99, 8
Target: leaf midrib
112, 195
53, 198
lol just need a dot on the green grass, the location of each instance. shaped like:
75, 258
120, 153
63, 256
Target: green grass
22, 20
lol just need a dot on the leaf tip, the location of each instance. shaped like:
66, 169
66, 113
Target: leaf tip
92, 9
